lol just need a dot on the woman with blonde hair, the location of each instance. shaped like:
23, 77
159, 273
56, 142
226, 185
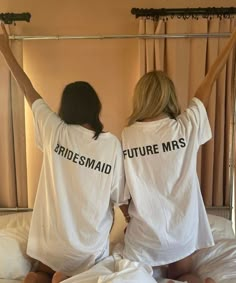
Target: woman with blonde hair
168, 221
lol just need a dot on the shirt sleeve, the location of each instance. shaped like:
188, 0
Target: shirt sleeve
196, 115
119, 193
45, 123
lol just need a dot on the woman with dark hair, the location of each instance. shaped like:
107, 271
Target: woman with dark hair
81, 179
74, 107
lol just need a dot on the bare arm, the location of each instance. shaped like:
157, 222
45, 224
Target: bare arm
204, 90
20, 76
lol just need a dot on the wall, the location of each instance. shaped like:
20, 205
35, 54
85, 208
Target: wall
111, 66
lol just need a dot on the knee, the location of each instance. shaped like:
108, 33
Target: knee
31, 277
179, 268
58, 277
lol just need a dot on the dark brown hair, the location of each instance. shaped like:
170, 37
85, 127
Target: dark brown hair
80, 105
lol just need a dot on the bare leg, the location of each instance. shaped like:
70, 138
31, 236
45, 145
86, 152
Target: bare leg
179, 268
210, 280
38, 277
182, 271
59, 276
43, 274
194, 278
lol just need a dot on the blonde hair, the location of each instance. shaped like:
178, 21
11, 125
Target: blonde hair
154, 94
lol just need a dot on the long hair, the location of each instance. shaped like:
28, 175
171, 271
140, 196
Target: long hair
154, 94
80, 105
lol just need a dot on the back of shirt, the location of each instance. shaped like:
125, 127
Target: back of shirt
81, 178
160, 167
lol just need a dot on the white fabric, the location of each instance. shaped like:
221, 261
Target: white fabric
81, 178
114, 269
221, 228
14, 263
217, 262
168, 217
14, 220
10, 281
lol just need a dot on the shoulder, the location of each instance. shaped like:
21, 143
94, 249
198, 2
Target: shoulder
108, 137
37, 103
194, 112
128, 129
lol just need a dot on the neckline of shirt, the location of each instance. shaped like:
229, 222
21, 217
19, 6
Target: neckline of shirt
87, 131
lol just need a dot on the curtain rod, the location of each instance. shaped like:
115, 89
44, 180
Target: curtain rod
9, 18
121, 36
16, 209
185, 13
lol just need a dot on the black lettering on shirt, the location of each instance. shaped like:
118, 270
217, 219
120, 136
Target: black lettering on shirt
149, 149
69, 155
142, 151
61, 150
107, 169
56, 148
155, 148
175, 145
98, 166
82, 160
90, 163
75, 158
182, 142
166, 146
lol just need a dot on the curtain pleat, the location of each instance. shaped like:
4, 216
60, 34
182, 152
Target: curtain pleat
186, 61
7, 168
13, 181
18, 123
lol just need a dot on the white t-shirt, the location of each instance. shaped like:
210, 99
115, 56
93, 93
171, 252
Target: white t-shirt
81, 178
168, 217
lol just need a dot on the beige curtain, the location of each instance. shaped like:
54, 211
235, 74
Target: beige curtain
186, 61
13, 181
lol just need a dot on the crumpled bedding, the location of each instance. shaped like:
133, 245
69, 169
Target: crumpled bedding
114, 269
218, 262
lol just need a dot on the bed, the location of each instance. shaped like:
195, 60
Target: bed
218, 262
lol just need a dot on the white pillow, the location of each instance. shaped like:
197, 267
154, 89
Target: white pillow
16, 219
14, 229
221, 227
13, 262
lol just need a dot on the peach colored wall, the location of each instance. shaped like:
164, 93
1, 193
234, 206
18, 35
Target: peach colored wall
111, 66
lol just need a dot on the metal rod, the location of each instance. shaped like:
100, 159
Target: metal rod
15, 209
116, 36
218, 207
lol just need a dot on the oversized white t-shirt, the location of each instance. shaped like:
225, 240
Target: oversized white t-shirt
168, 217
81, 178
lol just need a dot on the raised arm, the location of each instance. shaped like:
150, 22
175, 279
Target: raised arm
204, 90
20, 76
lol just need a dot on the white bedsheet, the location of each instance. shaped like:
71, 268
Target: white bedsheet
114, 269
218, 262
10, 281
